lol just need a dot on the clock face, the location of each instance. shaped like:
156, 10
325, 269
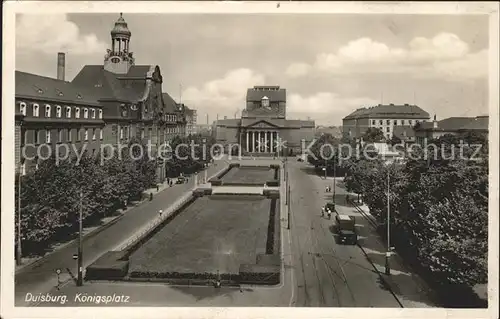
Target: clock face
115, 60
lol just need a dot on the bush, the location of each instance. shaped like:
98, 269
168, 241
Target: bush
273, 183
215, 181
271, 193
259, 274
111, 265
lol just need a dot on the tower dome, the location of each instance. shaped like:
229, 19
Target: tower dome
121, 28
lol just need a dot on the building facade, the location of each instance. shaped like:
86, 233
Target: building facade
191, 121
387, 118
453, 125
52, 114
263, 125
104, 104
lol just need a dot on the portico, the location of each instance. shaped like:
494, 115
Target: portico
261, 141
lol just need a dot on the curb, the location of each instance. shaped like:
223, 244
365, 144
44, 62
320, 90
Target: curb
86, 236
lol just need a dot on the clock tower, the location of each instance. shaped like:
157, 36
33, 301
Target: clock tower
119, 59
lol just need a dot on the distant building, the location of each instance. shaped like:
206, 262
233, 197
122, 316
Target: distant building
263, 124
191, 120
335, 131
452, 125
384, 117
204, 129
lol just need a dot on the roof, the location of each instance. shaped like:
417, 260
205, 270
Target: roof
457, 123
388, 111
107, 85
478, 123
40, 87
170, 105
274, 95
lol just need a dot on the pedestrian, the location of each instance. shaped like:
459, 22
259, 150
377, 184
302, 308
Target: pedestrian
171, 183
168, 180
157, 187
150, 196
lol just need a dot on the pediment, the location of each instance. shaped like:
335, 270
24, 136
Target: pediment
262, 124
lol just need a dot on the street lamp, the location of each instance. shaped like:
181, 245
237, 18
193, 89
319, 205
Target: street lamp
80, 244
19, 254
388, 253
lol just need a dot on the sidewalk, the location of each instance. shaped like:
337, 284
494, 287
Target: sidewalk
411, 290
90, 230
40, 276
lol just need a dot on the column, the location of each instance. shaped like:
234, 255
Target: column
253, 141
259, 141
272, 142
247, 148
265, 141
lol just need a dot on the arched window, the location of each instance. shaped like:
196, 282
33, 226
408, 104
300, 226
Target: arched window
58, 111
68, 111
22, 108
47, 110
93, 113
100, 133
85, 113
36, 110
100, 114
77, 112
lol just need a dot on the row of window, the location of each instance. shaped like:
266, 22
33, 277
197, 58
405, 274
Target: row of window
68, 109
395, 122
82, 134
171, 117
124, 132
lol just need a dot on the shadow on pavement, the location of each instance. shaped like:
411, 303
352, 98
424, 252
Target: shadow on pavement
200, 292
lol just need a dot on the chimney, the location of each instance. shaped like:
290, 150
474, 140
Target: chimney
61, 63
435, 123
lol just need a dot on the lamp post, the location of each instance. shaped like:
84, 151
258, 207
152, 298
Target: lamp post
80, 244
19, 254
333, 195
388, 253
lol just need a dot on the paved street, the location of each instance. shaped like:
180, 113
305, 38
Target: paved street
327, 274
40, 276
322, 273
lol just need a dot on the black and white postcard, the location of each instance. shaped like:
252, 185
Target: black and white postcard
250, 159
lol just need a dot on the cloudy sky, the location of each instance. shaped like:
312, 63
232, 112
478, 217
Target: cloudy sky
330, 64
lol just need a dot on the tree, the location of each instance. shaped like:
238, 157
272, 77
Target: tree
373, 135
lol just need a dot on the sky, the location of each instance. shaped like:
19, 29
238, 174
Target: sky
330, 64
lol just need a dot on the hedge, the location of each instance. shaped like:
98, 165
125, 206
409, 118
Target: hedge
216, 182
180, 275
111, 265
273, 183
259, 274
271, 193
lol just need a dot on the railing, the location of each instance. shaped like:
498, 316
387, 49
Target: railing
160, 219
156, 222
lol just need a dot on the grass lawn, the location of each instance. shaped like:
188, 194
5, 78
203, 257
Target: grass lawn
214, 233
251, 175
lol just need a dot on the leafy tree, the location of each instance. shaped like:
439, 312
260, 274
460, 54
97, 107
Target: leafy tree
373, 135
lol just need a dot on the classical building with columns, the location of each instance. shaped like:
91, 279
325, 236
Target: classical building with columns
263, 128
